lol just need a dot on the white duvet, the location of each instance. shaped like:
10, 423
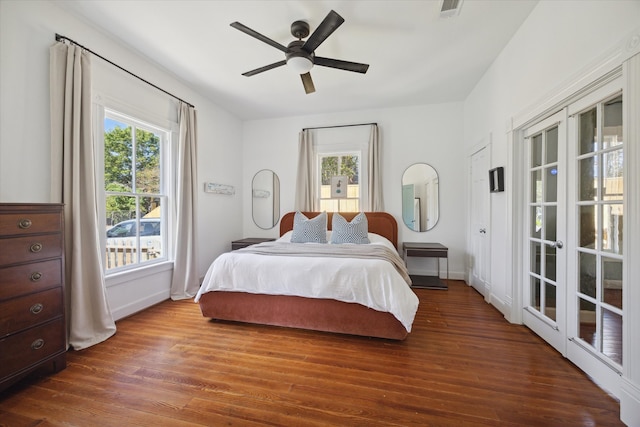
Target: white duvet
370, 282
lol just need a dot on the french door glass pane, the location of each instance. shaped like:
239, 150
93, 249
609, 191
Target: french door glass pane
536, 221
550, 300
550, 263
536, 254
535, 293
612, 128
612, 281
536, 186
612, 335
536, 151
587, 274
587, 184
587, 226
588, 131
587, 321
551, 187
550, 220
612, 165
612, 223
552, 145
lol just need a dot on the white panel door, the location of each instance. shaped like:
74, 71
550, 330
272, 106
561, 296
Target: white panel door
480, 248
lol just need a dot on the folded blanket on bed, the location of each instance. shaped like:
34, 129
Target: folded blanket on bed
331, 251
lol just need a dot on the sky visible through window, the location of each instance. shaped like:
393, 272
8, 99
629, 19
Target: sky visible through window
110, 124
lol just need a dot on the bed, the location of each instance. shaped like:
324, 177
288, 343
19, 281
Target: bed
226, 294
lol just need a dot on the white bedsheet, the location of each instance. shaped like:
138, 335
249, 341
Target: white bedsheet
369, 282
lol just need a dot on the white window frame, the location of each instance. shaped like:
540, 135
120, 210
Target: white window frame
340, 154
325, 149
104, 107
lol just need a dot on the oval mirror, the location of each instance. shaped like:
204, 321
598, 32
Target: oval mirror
265, 195
420, 207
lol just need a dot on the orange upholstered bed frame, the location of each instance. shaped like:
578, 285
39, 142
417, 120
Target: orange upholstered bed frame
310, 313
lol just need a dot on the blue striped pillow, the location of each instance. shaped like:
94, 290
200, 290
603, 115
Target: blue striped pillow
355, 231
307, 230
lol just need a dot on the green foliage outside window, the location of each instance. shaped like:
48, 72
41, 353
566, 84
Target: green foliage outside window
119, 170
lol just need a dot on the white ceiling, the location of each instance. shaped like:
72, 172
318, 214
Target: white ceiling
415, 56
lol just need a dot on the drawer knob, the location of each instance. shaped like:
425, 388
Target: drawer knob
24, 223
36, 276
36, 308
37, 344
36, 247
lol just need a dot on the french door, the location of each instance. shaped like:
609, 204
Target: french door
574, 217
544, 295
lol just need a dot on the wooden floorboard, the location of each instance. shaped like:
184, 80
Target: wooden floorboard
462, 365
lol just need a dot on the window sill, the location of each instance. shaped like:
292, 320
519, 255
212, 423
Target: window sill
119, 278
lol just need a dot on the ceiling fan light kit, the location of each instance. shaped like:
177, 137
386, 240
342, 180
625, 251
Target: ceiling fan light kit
300, 55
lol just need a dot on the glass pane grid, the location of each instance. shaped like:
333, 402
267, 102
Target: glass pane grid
135, 228
600, 229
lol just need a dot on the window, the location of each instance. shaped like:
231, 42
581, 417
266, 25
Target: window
333, 167
135, 192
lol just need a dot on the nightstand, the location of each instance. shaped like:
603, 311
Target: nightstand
427, 250
243, 243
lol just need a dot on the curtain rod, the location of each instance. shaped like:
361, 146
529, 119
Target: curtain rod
61, 38
341, 126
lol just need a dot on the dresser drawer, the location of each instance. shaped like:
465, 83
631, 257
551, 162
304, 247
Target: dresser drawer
30, 248
21, 351
17, 224
29, 278
30, 310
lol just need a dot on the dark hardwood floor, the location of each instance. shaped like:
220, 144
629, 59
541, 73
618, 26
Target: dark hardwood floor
463, 365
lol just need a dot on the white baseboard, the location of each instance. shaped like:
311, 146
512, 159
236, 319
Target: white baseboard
629, 403
139, 305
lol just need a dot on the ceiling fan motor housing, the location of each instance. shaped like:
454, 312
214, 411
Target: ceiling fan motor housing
300, 29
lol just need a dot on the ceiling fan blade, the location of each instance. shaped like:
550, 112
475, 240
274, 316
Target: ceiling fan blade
356, 67
330, 23
307, 83
257, 35
265, 68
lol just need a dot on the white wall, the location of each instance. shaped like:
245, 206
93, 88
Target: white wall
27, 31
559, 41
431, 134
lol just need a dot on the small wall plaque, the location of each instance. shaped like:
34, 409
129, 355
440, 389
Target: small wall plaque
211, 187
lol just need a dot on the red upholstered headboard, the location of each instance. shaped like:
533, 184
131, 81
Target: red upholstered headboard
380, 223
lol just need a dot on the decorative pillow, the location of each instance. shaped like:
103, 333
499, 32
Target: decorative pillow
307, 230
350, 232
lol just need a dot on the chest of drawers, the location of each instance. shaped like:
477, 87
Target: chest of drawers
32, 326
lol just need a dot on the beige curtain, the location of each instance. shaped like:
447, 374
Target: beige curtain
306, 198
185, 282
73, 180
375, 178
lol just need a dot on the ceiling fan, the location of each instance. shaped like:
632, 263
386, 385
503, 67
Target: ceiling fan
300, 55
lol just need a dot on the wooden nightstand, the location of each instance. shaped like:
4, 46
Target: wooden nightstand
243, 243
427, 250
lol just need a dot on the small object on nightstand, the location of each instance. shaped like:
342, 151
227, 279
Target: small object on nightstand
427, 250
243, 243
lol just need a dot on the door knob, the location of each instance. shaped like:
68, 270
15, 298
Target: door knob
557, 244
483, 230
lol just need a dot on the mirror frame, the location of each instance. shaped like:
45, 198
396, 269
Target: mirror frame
417, 201
257, 193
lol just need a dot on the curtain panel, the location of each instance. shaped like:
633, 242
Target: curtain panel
73, 182
375, 176
306, 198
185, 282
